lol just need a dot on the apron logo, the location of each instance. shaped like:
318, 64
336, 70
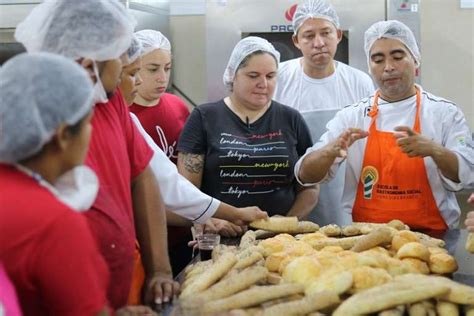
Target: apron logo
369, 178
461, 140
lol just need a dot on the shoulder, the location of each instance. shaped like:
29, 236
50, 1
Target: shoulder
435, 101
352, 73
359, 109
288, 66
210, 107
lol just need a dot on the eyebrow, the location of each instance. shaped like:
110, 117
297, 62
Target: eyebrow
157, 65
392, 52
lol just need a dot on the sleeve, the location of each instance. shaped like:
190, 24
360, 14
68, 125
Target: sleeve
180, 195
334, 128
70, 271
138, 150
458, 138
193, 136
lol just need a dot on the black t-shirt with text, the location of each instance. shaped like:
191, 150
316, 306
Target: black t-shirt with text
248, 164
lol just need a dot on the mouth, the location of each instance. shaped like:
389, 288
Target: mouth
319, 54
391, 80
161, 89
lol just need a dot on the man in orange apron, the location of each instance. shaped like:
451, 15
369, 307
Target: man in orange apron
414, 148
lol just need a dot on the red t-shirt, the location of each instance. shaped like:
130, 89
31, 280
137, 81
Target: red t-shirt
48, 251
163, 122
117, 153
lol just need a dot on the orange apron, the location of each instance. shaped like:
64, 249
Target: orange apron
393, 185
138, 278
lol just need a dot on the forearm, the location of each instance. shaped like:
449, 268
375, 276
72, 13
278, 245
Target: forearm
226, 212
150, 223
447, 162
316, 165
305, 202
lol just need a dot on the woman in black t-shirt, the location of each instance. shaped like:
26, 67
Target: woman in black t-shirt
242, 149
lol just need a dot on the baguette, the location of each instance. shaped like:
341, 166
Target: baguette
211, 275
304, 306
276, 224
379, 236
232, 285
251, 297
405, 289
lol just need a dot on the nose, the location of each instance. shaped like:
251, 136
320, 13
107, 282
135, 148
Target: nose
161, 76
318, 41
389, 66
138, 80
262, 83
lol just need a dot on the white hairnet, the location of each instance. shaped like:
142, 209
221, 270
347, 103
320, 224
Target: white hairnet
395, 30
38, 92
314, 9
135, 50
245, 47
152, 40
96, 29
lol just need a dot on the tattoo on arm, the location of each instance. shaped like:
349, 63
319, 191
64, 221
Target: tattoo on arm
193, 163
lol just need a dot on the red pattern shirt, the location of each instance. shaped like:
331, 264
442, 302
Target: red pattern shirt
117, 153
163, 122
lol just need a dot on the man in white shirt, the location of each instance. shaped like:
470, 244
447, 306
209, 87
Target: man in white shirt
318, 86
406, 149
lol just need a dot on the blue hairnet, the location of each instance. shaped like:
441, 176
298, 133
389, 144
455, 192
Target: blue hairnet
314, 9
152, 40
245, 47
38, 92
395, 30
96, 29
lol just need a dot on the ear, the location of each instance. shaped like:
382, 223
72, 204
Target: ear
61, 138
88, 65
295, 41
339, 36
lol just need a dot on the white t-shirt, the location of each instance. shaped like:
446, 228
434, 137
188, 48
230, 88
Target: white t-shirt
345, 86
318, 100
179, 195
441, 121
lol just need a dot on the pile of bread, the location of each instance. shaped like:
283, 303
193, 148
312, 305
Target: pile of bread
381, 269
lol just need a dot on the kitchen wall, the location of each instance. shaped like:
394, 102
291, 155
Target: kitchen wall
447, 52
446, 48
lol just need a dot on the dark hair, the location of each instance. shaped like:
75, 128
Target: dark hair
75, 129
245, 62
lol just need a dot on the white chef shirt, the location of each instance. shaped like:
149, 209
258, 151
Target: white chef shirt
441, 121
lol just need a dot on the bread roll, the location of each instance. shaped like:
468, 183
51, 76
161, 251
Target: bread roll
414, 265
414, 250
367, 277
470, 243
442, 263
302, 270
403, 237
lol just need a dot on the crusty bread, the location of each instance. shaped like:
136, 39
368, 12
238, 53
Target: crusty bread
442, 263
414, 250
